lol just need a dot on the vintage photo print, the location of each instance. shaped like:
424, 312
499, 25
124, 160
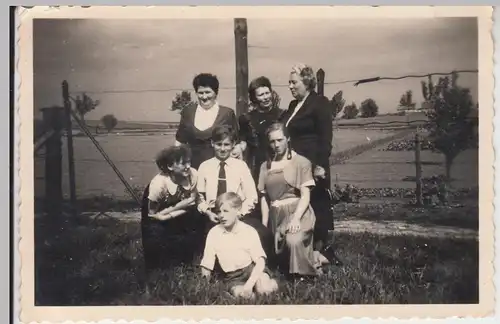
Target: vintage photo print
253, 162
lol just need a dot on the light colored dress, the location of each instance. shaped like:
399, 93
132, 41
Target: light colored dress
281, 183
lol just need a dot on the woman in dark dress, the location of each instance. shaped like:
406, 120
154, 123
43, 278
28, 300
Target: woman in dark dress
309, 123
197, 122
253, 125
169, 211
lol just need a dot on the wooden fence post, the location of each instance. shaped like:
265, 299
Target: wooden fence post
53, 118
320, 76
241, 52
418, 167
69, 134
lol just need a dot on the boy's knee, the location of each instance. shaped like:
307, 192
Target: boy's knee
266, 285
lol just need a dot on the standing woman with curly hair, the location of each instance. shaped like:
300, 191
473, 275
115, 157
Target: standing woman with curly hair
309, 123
198, 121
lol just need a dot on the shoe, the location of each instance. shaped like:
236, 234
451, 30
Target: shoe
329, 254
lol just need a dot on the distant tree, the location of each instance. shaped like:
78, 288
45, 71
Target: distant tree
350, 111
451, 128
182, 100
109, 121
337, 103
406, 101
85, 104
369, 108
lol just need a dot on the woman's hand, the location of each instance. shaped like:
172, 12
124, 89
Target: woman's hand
294, 226
214, 218
319, 172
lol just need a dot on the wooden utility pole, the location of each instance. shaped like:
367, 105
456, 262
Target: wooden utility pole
320, 76
69, 132
53, 119
241, 52
418, 174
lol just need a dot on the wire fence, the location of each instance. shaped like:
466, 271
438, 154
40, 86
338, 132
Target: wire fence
370, 153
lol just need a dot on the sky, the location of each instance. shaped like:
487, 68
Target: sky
106, 55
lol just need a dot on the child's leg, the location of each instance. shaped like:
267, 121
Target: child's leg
266, 285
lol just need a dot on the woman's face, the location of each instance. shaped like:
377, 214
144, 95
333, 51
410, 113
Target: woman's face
263, 96
180, 168
296, 86
206, 97
278, 142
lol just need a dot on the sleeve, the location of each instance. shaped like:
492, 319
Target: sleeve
244, 128
208, 259
300, 174
255, 246
262, 178
194, 179
324, 125
156, 189
181, 135
249, 190
232, 120
201, 181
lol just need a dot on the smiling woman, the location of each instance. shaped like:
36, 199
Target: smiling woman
197, 122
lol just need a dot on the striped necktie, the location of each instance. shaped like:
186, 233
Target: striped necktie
222, 185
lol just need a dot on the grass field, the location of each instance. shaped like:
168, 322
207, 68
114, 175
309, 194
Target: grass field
100, 263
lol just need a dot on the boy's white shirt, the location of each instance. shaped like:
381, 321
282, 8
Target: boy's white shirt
234, 249
238, 179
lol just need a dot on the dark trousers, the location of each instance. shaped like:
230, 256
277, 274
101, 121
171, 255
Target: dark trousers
170, 242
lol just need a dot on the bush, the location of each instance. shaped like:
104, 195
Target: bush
369, 108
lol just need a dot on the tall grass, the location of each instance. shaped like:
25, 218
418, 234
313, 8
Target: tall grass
82, 262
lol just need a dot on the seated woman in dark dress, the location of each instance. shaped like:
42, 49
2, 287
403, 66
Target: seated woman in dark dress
197, 122
253, 124
169, 209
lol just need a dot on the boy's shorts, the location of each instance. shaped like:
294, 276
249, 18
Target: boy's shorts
240, 276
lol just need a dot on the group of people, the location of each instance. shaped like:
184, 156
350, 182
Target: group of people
252, 191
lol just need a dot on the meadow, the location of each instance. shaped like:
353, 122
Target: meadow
101, 261
134, 157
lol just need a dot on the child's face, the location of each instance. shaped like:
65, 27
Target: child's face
228, 215
180, 168
223, 148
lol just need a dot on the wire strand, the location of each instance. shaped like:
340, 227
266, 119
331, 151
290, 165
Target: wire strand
355, 82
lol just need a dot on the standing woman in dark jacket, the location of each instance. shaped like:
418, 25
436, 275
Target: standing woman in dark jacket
309, 123
253, 124
198, 121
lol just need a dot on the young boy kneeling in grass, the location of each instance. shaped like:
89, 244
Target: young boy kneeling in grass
239, 251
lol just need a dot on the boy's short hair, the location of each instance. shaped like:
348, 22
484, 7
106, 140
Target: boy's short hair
167, 157
221, 132
232, 198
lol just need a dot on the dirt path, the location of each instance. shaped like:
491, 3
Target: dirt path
353, 226
402, 228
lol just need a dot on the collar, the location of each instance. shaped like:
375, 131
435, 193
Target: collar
229, 161
215, 107
305, 97
235, 230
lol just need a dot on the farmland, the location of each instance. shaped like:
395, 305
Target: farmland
134, 157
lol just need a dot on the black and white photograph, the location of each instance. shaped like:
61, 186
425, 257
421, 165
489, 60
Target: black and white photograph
258, 161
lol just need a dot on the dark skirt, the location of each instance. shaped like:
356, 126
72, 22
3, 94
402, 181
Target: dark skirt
169, 242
